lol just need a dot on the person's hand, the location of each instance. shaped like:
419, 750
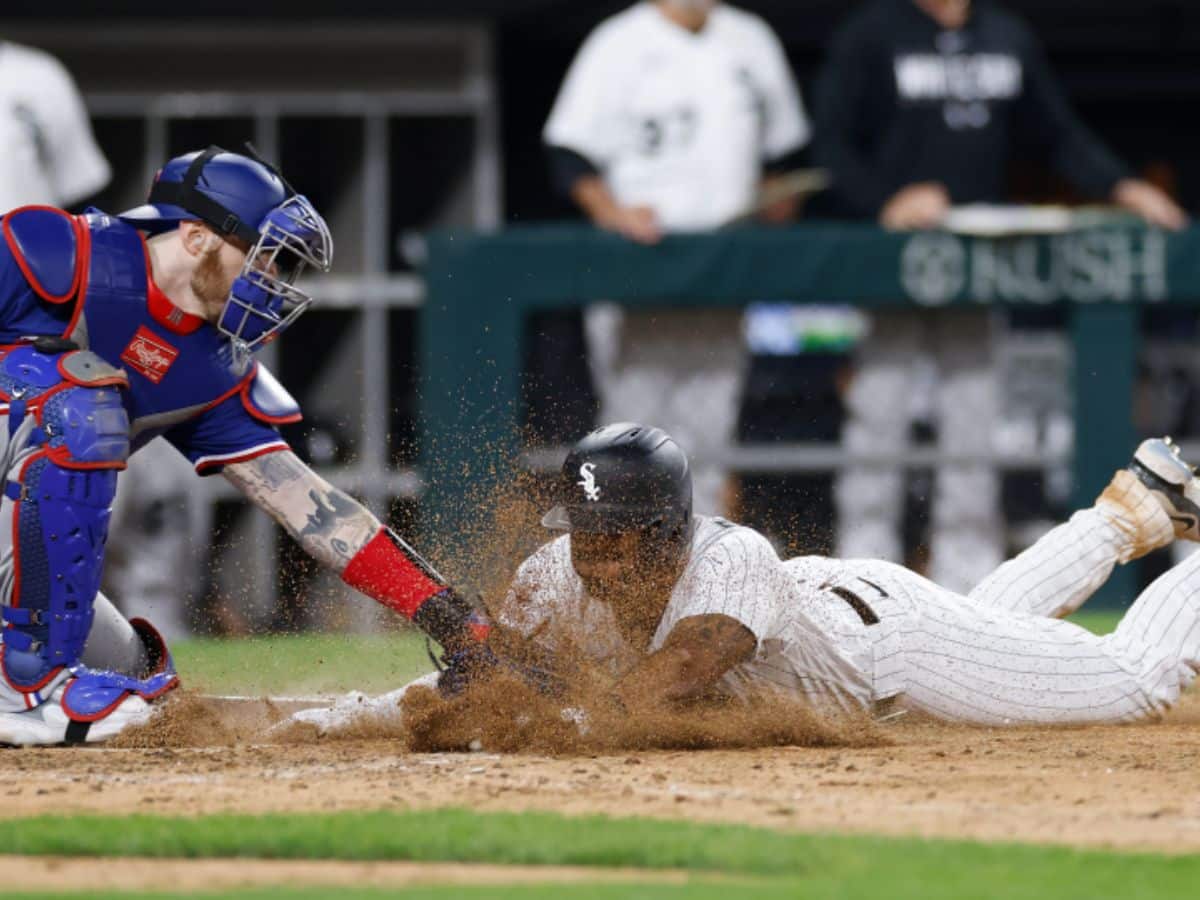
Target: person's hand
785, 205
921, 205
466, 666
637, 223
1147, 201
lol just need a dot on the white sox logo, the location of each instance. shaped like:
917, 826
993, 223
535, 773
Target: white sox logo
149, 355
588, 483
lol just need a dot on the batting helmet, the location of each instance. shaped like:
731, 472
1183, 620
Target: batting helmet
246, 198
624, 477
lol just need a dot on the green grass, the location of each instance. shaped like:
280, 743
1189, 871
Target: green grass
778, 864
331, 664
301, 664
1101, 621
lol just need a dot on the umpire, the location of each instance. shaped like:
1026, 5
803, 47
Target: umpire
921, 106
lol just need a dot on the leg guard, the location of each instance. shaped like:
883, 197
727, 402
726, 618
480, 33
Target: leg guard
67, 436
88, 705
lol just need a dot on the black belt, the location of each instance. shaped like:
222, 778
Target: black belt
857, 603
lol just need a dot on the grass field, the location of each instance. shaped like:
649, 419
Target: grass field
301, 664
721, 861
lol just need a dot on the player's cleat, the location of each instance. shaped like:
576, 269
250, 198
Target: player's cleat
1134, 510
1173, 482
81, 705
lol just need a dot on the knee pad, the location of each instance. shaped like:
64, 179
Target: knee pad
68, 437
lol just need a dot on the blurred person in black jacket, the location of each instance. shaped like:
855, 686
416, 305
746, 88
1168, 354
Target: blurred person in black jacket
922, 105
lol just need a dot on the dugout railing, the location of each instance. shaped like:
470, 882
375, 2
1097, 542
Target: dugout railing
480, 288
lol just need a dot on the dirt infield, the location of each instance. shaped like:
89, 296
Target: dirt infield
67, 874
1130, 787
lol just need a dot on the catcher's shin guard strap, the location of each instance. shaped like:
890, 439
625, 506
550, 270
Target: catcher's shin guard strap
388, 570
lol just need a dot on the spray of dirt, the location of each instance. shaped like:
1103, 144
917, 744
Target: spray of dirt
506, 715
186, 719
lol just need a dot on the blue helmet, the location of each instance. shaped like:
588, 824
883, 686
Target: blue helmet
244, 197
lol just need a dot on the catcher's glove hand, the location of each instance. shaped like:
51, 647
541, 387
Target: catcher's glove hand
507, 651
463, 667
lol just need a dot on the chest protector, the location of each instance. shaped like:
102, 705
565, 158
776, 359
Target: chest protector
68, 420
178, 367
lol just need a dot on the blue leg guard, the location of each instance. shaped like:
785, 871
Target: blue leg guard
68, 435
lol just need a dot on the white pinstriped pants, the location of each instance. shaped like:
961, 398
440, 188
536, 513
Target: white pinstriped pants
999, 656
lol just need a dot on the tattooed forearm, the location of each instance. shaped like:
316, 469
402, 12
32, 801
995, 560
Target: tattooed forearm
329, 524
277, 469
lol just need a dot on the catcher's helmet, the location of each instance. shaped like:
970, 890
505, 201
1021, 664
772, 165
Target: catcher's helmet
246, 198
624, 477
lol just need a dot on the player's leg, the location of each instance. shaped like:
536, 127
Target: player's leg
682, 370
1133, 516
962, 661
67, 435
113, 643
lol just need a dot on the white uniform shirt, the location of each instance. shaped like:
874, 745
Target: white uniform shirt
680, 121
50, 155
810, 642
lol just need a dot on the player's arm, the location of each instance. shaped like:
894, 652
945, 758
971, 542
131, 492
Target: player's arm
696, 654
1076, 151
848, 113
580, 179
582, 137
637, 223
339, 532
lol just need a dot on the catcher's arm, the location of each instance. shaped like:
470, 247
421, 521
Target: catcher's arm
696, 654
331, 526
338, 531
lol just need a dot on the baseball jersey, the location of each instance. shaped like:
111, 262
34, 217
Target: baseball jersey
50, 155
88, 279
680, 121
810, 641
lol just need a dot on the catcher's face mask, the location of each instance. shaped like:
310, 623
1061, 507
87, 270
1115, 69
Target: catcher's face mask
264, 299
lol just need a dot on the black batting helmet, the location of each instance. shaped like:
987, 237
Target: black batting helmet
624, 477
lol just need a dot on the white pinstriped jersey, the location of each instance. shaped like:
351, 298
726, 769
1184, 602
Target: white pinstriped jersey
809, 640
997, 656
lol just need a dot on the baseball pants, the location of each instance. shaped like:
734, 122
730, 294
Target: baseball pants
1001, 656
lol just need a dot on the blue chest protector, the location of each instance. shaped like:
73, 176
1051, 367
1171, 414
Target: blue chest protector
74, 415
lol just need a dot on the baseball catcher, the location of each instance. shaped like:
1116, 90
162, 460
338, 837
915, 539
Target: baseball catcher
115, 330
672, 605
